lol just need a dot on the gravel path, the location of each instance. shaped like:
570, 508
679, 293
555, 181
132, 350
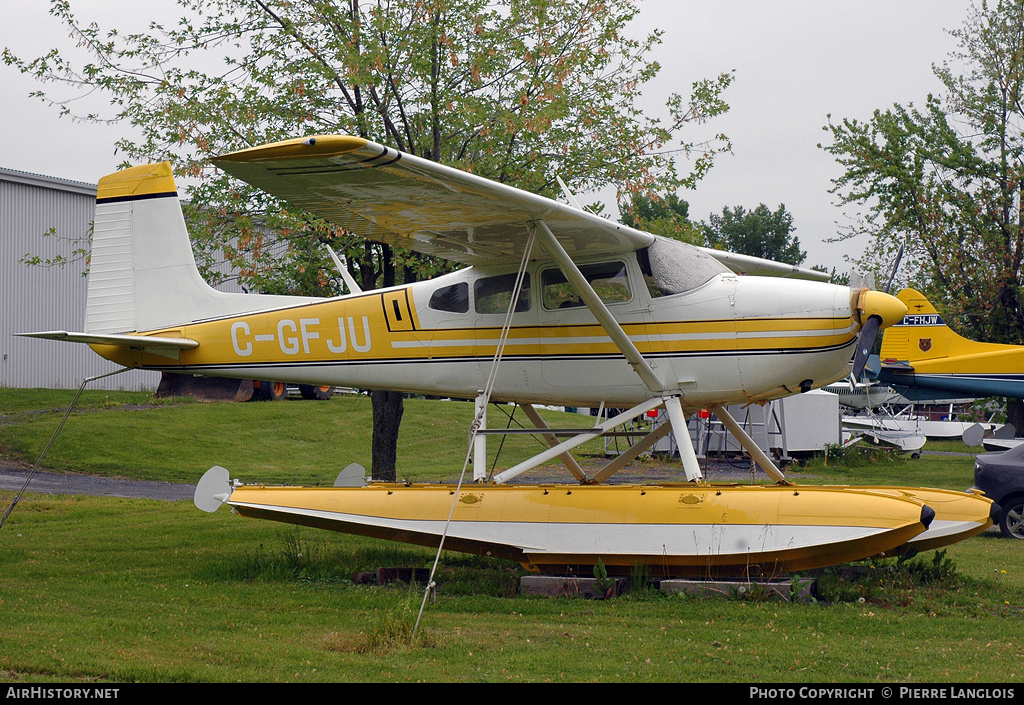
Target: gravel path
13, 476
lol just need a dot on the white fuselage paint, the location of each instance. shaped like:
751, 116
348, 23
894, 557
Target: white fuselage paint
559, 365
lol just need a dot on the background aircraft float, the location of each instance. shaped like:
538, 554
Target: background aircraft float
862, 396
577, 310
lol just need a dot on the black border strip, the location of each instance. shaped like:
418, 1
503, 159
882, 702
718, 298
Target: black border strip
348, 166
142, 197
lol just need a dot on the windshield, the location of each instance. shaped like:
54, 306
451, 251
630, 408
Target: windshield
673, 267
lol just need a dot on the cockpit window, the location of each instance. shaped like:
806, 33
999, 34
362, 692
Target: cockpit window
673, 267
608, 279
493, 294
454, 298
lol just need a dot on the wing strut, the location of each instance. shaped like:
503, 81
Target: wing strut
353, 288
597, 307
748, 444
625, 345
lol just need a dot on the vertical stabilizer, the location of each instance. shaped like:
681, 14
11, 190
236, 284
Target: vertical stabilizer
922, 335
142, 273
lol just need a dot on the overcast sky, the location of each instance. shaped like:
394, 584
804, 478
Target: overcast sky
795, 62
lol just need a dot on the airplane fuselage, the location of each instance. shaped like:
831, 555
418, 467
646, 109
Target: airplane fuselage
731, 338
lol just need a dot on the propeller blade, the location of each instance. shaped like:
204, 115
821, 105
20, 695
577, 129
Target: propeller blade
866, 341
895, 267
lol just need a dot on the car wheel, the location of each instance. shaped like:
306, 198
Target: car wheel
312, 391
272, 391
1012, 521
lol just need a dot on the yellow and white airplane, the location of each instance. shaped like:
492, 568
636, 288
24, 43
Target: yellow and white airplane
580, 310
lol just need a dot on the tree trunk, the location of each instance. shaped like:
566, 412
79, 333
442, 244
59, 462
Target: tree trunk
387, 416
1015, 415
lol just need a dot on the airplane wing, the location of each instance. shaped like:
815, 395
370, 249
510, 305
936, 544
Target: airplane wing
385, 195
758, 266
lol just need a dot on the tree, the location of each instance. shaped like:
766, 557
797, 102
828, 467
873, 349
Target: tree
668, 216
759, 233
948, 180
516, 91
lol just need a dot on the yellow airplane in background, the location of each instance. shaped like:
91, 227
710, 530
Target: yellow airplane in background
924, 359
555, 305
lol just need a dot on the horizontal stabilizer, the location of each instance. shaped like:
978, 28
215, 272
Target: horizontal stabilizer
167, 347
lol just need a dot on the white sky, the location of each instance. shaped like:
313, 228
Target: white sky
795, 62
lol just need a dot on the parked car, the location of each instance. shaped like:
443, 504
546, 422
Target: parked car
1001, 477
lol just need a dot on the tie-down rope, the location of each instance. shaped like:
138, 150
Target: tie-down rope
67, 413
478, 420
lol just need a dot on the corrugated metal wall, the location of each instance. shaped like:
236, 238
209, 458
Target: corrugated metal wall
39, 298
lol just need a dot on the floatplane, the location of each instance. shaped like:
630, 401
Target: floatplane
923, 358
578, 310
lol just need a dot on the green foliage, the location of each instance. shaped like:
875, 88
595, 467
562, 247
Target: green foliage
667, 216
759, 233
858, 455
513, 91
641, 583
391, 628
887, 580
945, 179
835, 276
604, 584
76, 244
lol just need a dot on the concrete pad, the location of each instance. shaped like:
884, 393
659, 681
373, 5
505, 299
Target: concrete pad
797, 589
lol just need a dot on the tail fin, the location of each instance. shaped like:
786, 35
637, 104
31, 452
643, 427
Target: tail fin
142, 273
923, 335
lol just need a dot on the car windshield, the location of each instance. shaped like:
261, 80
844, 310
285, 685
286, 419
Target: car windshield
1015, 452
673, 267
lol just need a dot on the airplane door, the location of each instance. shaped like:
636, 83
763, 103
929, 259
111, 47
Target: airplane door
692, 342
397, 310
575, 348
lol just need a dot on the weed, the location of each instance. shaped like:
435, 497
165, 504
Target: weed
857, 456
391, 629
887, 580
605, 585
640, 583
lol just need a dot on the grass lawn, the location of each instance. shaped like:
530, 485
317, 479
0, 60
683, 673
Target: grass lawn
102, 589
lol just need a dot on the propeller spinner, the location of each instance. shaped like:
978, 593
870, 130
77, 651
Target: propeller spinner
876, 310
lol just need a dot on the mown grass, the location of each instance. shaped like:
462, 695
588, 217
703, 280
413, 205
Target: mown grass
96, 589
290, 441
104, 589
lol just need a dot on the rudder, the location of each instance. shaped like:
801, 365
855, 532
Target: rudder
922, 334
142, 273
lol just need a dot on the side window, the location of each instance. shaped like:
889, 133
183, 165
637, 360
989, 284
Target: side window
493, 294
608, 279
454, 298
